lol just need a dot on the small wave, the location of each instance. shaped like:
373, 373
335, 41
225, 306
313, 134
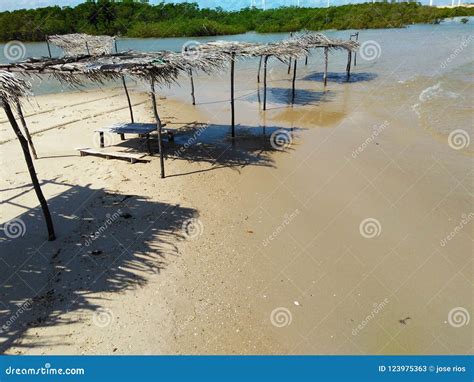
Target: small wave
436, 91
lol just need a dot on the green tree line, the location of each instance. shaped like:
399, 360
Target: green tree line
139, 19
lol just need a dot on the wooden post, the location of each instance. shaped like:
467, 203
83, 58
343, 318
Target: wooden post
289, 63
293, 84
326, 58
232, 102
25, 127
49, 48
31, 170
355, 53
158, 123
259, 68
265, 83
192, 86
122, 136
349, 59
128, 99
87, 48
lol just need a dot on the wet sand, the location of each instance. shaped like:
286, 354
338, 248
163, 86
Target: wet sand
332, 244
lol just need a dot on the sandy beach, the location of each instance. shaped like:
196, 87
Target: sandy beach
244, 248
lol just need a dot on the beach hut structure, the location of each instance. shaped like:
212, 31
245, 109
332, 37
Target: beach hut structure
286, 51
12, 89
232, 50
356, 39
282, 50
80, 44
305, 41
157, 68
312, 40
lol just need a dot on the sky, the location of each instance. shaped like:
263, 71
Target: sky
9, 5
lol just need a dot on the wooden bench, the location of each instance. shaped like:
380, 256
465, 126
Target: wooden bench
133, 158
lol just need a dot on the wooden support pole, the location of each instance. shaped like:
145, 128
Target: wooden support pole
122, 136
31, 170
25, 127
293, 84
158, 123
232, 102
355, 53
87, 48
128, 99
265, 83
192, 86
259, 68
349, 59
289, 63
326, 58
49, 48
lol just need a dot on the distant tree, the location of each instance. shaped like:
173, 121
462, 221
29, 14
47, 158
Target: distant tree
139, 18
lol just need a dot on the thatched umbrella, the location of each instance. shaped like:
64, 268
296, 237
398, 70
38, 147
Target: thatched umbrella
356, 39
318, 40
285, 51
233, 50
77, 44
11, 89
282, 50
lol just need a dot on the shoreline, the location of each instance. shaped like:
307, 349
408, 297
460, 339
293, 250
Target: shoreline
217, 36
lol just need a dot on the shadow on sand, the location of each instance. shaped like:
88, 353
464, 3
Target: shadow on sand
340, 78
213, 144
107, 242
283, 96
